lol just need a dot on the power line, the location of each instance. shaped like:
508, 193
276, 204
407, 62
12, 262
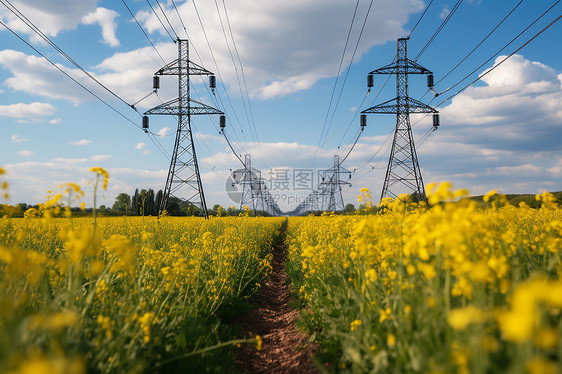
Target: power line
233, 63
241, 68
217, 67
32, 26
481, 42
350, 63
158, 145
502, 61
69, 76
353, 145
419, 19
339, 70
162, 23
181, 20
498, 52
231, 148
458, 3
38, 31
167, 20
144, 32
316, 153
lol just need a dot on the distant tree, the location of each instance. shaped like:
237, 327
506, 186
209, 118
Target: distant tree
149, 205
157, 202
135, 201
349, 208
122, 203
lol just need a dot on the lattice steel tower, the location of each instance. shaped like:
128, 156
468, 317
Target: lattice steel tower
184, 179
403, 173
252, 186
331, 186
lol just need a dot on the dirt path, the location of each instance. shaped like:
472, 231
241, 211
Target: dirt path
284, 349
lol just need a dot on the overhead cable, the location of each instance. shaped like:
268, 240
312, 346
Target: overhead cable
441, 26
32, 26
69, 76
499, 51
501, 62
419, 19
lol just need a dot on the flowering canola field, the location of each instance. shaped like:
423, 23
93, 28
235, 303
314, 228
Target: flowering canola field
125, 294
464, 287
460, 288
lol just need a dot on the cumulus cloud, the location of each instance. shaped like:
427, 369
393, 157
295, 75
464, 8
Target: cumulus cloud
51, 17
101, 157
275, 46
25, 153
34, 75
27, 111
503, 134
70, 160
55, 121
17, 139
142, 147
80, 142
106, 19
164, 131
516, 109
30, 180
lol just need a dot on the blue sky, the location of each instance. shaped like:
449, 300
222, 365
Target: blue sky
501, 133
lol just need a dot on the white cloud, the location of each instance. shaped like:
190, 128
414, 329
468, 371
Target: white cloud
164, 131
25, 153
29, 181
55, 121
289, 45
142, 147
516, 109
17, 139
101, 157
445, 12
81, 142
27, 111
50, 16
210, 137
34, 75
275, 49
70, 160
503, 135
106, 19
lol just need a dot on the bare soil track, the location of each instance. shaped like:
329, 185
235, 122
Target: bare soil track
284, 349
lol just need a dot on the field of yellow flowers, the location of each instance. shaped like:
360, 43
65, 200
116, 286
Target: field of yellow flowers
461, 288
126, 294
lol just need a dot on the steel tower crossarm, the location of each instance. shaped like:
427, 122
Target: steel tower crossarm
173, 108
177, 67
403, 66
395, 106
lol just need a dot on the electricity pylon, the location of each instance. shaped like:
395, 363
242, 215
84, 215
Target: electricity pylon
331, 186
403, 172
184, 179
252, 186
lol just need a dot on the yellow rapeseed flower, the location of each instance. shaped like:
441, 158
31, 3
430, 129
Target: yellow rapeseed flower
355, 324
101, 172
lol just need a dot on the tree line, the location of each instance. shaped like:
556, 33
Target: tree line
141, 203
